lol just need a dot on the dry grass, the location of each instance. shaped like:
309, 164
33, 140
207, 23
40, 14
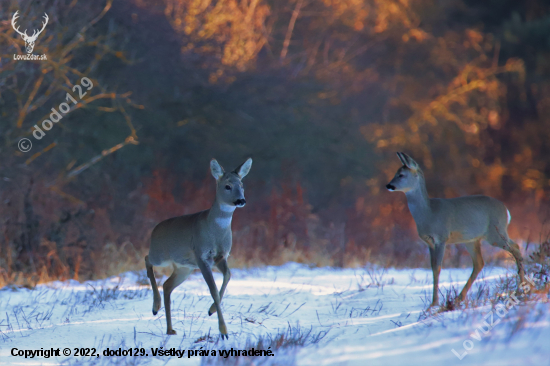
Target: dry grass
128, 258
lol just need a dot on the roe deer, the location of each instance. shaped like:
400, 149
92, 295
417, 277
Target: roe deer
465, 220
199, 240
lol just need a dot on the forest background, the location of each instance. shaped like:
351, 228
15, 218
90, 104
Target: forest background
321, 93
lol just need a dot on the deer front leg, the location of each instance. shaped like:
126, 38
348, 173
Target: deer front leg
436, 259
224, 269
209, 278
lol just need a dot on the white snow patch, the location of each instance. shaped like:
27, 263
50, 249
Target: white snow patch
365, 324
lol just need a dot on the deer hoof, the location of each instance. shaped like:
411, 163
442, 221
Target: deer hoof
223, 331
156, 307
171, 332
212, 310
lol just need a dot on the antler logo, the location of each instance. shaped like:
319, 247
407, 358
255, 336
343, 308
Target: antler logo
29, 41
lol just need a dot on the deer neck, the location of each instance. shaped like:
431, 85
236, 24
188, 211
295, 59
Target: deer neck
418, 201
220, 215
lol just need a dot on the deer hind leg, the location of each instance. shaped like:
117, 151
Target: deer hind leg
514, 249
474, 249
179, 275
498, 237
156, 295
436, 259
224, 269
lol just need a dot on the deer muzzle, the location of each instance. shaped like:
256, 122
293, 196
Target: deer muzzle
240, 202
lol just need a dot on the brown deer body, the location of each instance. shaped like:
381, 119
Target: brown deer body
467, 220
198, 241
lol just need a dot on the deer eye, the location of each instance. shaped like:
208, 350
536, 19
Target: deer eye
228, 187
400, 175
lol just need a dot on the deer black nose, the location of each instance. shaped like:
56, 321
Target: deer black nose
390, 187
240, 202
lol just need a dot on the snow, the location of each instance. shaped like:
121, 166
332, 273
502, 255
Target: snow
361, 316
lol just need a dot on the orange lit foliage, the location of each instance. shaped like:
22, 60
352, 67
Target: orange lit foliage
449, 90
229, 29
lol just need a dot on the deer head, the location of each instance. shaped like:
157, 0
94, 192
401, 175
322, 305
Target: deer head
29, 40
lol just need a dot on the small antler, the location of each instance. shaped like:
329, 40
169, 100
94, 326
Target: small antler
13, 19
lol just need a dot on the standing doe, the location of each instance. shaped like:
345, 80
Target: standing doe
199, 240
465, 220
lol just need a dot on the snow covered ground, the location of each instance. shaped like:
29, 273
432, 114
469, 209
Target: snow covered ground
332, 316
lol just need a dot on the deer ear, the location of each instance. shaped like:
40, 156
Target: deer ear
401, 157
244, 168
216, 169
409, 162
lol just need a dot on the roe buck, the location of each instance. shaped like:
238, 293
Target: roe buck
467, 220
199, 240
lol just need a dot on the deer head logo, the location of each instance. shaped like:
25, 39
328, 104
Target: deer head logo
29, 40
